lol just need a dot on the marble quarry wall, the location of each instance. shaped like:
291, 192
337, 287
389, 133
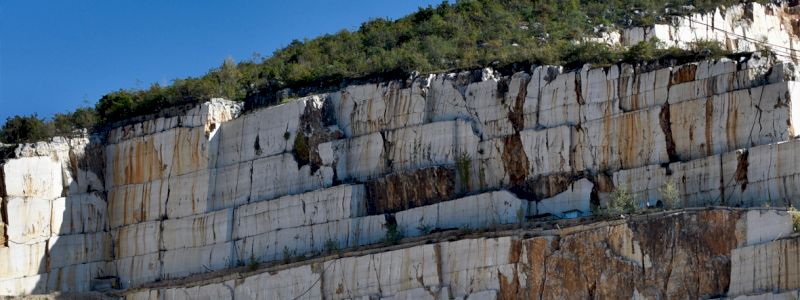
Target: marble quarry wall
213, 189
740, 28
216, 188
753, 252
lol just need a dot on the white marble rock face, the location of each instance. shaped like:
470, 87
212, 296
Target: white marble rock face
135, 203
316, 207
757, 268
478, 211
370, 108
429, 145
38, 177
186, 261
83, 213
549, 151
68, 250
137, 239
29, 220
724, 25
576, 197
626, 141
358, 158
280, 175
730, 121
197, 230
210, 189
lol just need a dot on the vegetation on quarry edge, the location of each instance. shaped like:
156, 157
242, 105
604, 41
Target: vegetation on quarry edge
467, 34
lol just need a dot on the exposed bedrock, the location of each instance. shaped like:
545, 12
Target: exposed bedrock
692, 254
436, 156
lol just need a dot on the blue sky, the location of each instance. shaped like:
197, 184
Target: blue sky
59, 55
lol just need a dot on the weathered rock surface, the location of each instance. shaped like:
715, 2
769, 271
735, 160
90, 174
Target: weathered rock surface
678, 255
771, 266
401, 191
771, 23
200, 188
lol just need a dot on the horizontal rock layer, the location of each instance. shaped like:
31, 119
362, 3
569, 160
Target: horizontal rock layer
619, 259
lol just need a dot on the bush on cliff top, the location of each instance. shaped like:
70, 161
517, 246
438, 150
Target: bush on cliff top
465, 34
26, 129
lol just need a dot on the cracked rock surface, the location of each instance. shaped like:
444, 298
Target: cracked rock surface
413, 183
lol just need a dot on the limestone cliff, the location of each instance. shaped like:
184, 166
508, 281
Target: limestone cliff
433, 187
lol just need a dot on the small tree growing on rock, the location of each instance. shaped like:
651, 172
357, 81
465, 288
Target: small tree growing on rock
670, 195
621, 201
795, 218
252, 264
393, 234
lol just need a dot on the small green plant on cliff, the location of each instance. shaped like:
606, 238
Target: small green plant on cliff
330, 246
465, 229
670, 195
795, 218
464, 167
287, 255
301, 150
393, 234
621, 201
453, 35
252, 264
23, 129
644, 51
708, 48
424, 228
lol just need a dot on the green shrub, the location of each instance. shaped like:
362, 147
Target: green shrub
795, 218
708, 48
393, 234
591, 52
330, 246
67, 123
461, 35
425, 229
670, 195
465, 229
252, 264
287, 255
644, 51
301, 151
24, 129
621, 201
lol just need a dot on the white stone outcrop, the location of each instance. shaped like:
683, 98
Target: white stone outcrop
550, 150
770, 266
38, 176
204, 188
575, 199
370, 108
739, 28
